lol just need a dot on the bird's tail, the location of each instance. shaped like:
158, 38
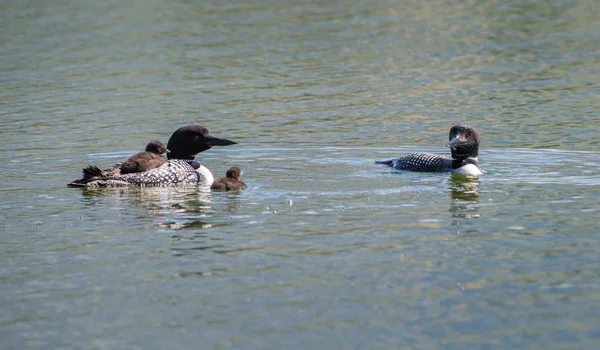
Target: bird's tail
384, 162
92, 171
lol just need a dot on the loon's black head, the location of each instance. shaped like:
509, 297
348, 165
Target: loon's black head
156, 147
464, 142
190, 140
234, 173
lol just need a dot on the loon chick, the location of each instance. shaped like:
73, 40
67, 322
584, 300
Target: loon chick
464, 147
180, 169
232, 181
139, 162
144, 161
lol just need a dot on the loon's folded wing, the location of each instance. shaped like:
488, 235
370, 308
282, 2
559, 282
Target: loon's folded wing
424, 162
172, 173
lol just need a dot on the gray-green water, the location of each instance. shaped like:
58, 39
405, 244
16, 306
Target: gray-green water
325, 249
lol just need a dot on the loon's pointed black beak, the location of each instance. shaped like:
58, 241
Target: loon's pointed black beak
167, 151
215, 141
457, 140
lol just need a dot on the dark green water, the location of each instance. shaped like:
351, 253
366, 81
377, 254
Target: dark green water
325, 249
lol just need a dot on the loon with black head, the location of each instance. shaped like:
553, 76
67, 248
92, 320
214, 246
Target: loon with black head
464, 147
181, 168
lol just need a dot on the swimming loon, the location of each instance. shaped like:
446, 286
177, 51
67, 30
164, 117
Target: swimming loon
144, 161
464, 147
180, 169
232, 181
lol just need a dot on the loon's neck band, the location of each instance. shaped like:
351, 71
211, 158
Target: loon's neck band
189, 160
192, 162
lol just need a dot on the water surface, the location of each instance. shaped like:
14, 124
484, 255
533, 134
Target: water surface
325, 249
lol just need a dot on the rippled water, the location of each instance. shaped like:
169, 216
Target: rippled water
325, 249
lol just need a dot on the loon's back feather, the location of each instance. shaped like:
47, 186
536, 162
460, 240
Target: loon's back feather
174, 172
424, 162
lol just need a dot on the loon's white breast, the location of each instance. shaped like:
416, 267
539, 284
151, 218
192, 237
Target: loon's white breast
468, 169
206, 176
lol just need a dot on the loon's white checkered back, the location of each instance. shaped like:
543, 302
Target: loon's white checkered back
426, 162
174, 172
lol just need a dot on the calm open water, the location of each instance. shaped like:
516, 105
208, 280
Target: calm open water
325, 249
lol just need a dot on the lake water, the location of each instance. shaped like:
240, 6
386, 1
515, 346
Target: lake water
325, 249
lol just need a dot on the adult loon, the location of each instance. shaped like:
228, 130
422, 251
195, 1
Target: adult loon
464, 147
144, 161
231, 181
180, 169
